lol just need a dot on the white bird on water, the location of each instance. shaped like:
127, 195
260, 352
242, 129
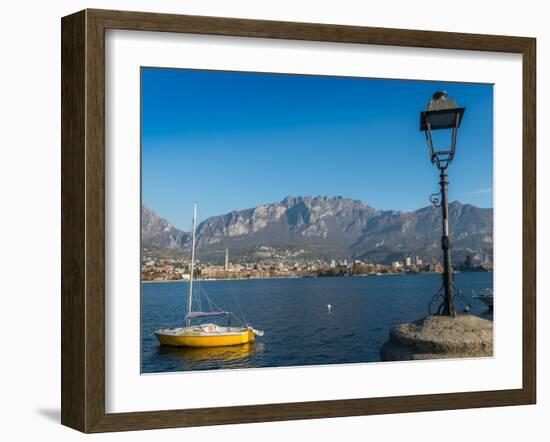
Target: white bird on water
329, 307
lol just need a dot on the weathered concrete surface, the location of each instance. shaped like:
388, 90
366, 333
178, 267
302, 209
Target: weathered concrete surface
439, 337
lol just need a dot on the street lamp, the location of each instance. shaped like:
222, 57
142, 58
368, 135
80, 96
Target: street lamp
443, 114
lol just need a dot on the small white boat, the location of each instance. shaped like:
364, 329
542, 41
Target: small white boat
486, 296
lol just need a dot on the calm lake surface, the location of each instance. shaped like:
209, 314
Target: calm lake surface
292, 312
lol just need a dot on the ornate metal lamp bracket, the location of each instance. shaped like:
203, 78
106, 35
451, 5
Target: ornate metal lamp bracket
435, 199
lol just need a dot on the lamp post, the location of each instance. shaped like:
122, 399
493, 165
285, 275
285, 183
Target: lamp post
443, 114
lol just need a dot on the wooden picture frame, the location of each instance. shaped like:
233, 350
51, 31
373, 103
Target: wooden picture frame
83, 220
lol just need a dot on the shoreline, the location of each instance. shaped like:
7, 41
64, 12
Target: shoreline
295, 277
228, 279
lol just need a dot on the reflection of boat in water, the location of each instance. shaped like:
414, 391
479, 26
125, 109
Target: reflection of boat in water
206, 334
234, 355
485, 296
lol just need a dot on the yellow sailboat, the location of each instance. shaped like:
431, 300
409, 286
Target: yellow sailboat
205, 334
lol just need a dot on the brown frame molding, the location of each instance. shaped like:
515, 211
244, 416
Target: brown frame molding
83, 217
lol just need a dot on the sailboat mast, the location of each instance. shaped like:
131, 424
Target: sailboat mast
191, 270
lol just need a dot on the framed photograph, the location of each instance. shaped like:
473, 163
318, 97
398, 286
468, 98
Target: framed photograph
270, 220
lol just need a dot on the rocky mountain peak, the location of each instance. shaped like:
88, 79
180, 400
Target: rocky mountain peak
158, 232
335, 227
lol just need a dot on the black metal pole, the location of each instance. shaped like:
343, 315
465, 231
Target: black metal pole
449, 306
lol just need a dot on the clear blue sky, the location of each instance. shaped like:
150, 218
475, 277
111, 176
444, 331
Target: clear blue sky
235, 140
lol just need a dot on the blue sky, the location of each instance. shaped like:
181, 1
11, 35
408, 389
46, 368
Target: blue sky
234, 140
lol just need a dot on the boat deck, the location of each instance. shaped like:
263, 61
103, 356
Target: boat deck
203, 330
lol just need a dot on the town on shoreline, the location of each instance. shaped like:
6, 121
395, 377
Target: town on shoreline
159, 269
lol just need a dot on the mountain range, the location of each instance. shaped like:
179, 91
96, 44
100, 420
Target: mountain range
324, 227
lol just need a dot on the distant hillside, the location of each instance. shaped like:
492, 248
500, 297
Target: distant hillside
329, 227
159, 233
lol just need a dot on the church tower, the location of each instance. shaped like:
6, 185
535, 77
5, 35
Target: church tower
226, 262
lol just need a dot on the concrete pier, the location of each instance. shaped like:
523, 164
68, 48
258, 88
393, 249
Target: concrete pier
439, 337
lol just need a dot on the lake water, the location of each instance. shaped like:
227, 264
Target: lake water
299, 330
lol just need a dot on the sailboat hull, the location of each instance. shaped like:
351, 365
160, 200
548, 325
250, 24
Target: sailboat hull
189, 337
